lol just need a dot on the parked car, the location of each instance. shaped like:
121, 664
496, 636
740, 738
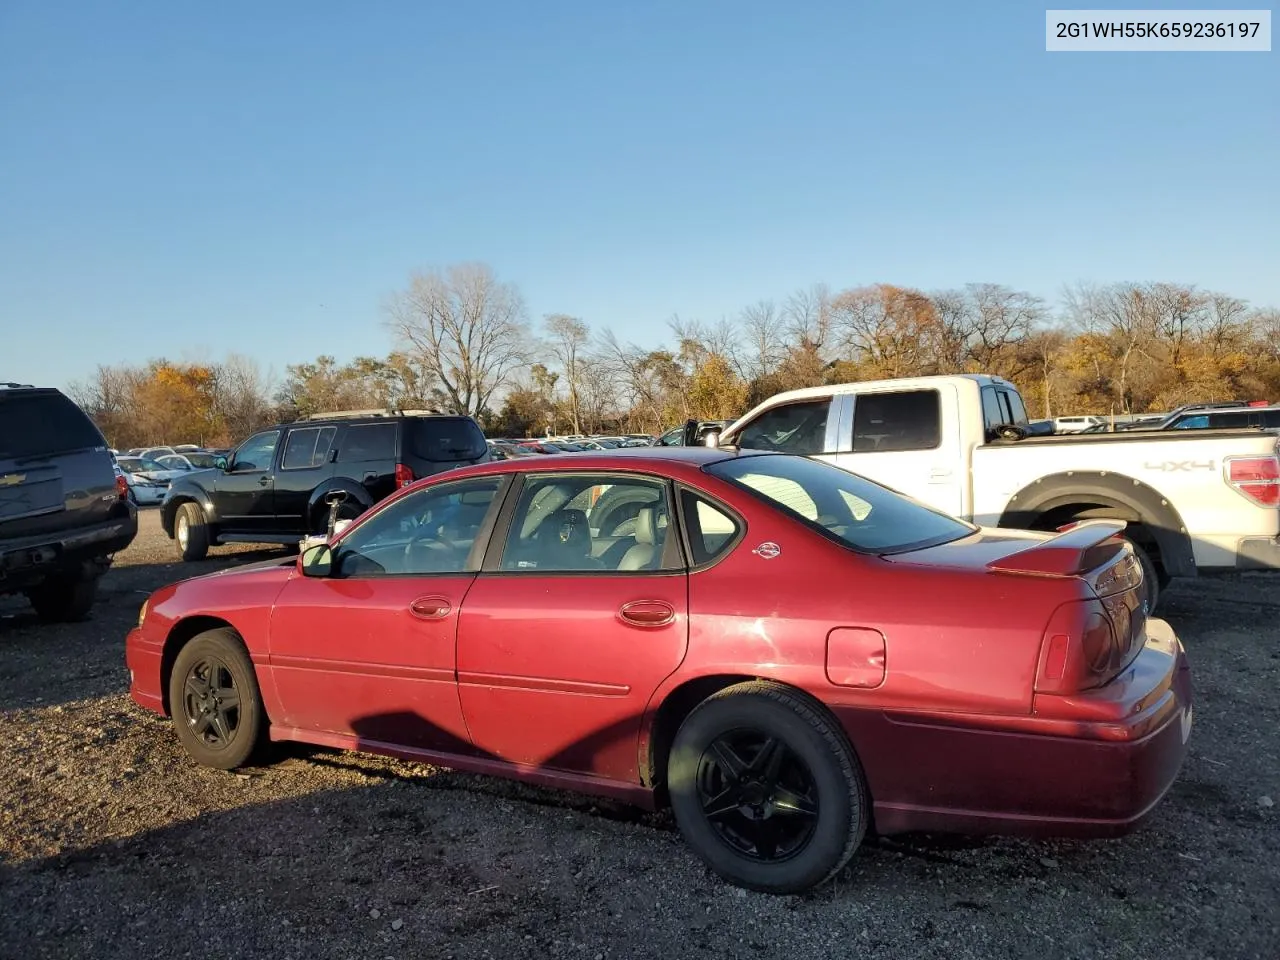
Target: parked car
1076, 424
1193, 501
64, 512
148, 480
783, 651
272, 488
1264, 417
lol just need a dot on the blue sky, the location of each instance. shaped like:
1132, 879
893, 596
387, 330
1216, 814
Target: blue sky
188, 179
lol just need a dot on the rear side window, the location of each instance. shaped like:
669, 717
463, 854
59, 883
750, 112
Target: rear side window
711, 531
34, 424
368, 441
910, 420
304, 449
446, 439
1271, 418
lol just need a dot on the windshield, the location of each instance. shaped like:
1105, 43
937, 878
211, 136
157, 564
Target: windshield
844, 507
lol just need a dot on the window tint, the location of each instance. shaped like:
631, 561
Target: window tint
307, 448
792, 428
991, 416
844, 507
256, 453
1018, 409
446, 439
368, 441
43, 423
588, 523
1241, 418
431, 531
1271, 418
711, 531
911, 420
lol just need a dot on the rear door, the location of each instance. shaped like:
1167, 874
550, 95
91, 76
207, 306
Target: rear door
304, 465
55, 471
901, 439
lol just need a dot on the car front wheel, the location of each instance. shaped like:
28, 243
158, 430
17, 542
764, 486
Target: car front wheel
214, 699
767, 789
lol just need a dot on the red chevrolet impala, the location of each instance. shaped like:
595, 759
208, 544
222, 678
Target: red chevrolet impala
788, 654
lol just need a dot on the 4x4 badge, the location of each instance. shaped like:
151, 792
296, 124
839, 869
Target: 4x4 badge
768, 550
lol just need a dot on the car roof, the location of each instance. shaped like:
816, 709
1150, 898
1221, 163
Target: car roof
657, 459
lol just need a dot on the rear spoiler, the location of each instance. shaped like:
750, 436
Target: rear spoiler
1066, 555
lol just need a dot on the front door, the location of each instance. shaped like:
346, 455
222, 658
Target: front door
304, 466
580, 614
369, 651
246, 491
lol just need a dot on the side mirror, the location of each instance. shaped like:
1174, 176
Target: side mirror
317, 560
220, 463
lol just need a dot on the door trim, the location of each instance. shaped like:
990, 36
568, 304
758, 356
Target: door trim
543, 684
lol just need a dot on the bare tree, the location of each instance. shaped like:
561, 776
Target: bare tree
467, 329
568, 338
764, 340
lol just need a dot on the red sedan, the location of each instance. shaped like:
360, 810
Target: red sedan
786, 653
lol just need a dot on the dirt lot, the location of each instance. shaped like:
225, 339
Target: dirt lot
113, 844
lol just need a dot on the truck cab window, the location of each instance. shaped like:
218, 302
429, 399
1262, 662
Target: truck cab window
910, 420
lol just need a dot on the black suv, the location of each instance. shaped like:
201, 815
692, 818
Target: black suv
64, 511
272, 488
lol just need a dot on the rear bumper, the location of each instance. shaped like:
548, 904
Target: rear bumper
26, 561
1258, 553
1094, 765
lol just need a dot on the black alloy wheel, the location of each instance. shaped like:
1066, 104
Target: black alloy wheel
211, 703
758, 795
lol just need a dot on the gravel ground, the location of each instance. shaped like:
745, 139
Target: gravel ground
114, 844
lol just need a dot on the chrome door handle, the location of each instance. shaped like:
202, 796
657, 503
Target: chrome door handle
430, 608
647, 613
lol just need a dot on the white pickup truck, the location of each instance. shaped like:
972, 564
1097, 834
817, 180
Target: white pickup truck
1194, 501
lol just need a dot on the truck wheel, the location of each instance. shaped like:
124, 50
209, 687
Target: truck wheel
1150, 575
64, 599
191, 532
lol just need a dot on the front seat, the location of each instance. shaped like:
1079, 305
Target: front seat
644, 554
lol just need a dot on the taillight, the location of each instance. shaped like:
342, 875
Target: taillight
1257, 478
404, 476
122, 488
1079, 649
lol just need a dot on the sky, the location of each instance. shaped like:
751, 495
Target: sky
192, 179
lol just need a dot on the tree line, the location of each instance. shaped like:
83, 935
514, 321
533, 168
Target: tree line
464, 343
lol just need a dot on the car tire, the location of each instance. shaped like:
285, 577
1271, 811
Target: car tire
190, 532
215, 701
1151, 579
767, 789
64, 599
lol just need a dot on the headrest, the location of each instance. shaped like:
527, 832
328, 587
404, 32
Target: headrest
569, 527
646, 529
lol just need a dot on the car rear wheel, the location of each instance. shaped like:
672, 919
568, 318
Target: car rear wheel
214, 699
766, 788
191, 532
64, 599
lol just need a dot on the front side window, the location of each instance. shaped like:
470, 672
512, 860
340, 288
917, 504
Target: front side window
307, 448
256, 453
598, 522
849, 509
1192, 423
909, 420
431, 531
799, 428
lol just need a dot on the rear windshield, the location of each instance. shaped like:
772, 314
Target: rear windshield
446, 439
35, 424
849, 509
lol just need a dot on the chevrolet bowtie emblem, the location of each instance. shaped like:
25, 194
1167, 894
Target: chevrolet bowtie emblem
12, 479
